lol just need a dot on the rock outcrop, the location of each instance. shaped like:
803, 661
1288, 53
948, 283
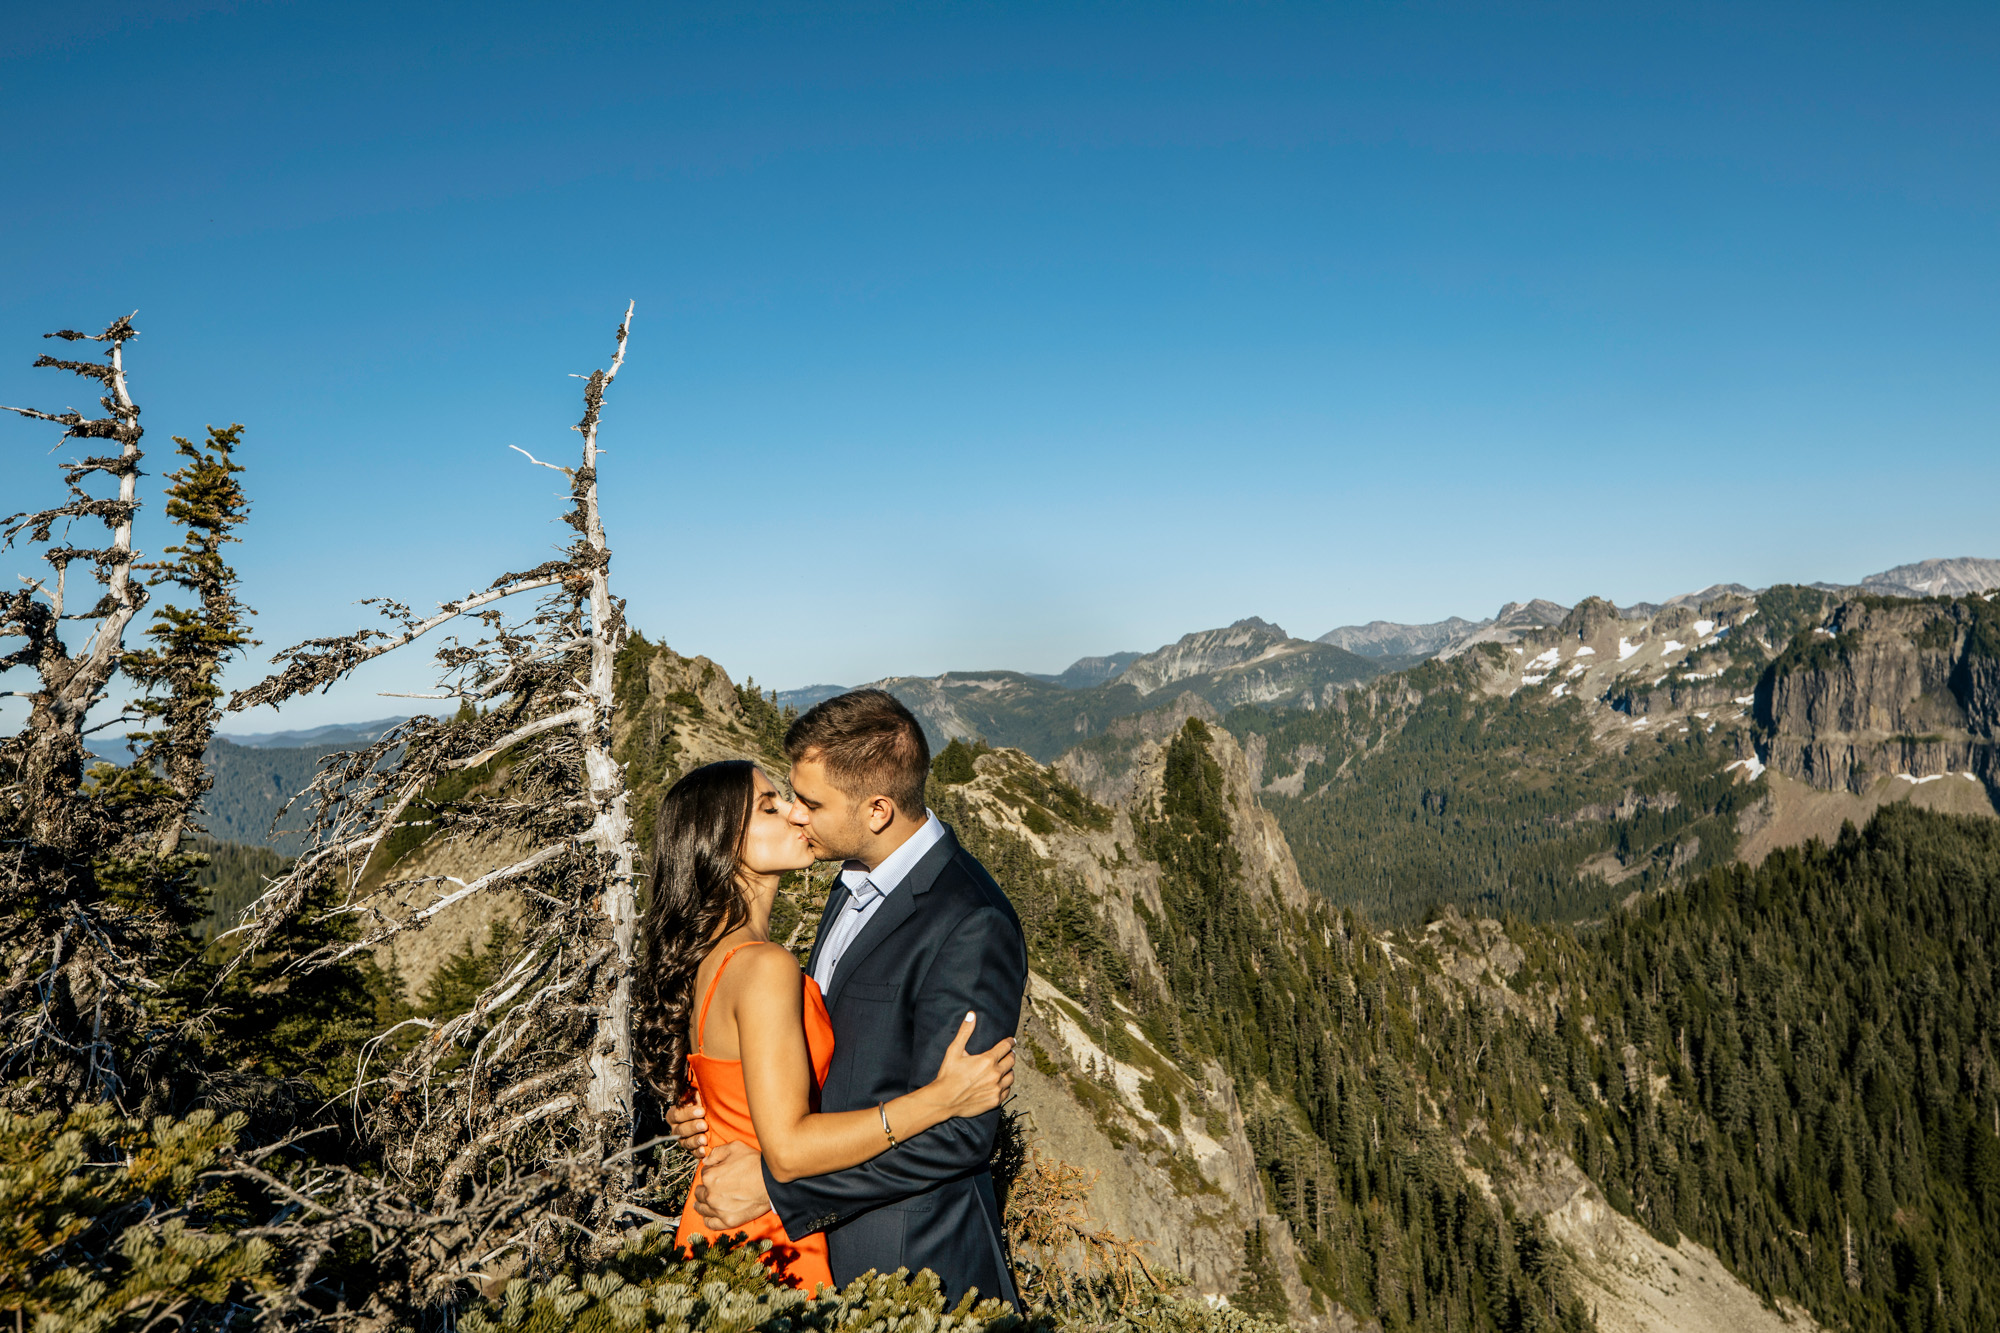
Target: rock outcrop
1888, 689
674, 713
1174, 1167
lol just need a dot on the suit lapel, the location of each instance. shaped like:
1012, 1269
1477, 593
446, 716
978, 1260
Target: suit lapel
834, 902
897, 908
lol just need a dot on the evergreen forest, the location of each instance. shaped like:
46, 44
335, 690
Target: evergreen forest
1791, 1064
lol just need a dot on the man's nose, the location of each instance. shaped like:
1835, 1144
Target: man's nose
799, 815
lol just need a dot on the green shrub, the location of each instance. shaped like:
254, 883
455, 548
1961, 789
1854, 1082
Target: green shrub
98, 1232
724, 1288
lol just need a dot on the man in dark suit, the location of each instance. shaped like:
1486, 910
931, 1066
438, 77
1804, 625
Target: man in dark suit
915, 936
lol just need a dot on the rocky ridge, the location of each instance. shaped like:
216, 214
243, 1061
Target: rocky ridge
674, 713
1250, 662
1383, 638
1174, 1167
1936, 578
1173, 1144
1627, 749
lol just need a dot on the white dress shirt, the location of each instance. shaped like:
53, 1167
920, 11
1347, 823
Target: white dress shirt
865, 891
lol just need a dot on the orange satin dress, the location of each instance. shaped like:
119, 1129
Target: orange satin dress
726, 1103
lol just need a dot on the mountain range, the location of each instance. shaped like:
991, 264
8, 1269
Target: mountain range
1040, 721
1252, 663
1604, 976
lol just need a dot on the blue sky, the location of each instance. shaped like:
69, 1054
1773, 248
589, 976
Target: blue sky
977, 335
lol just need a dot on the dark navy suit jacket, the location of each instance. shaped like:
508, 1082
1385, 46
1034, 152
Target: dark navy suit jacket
943, 942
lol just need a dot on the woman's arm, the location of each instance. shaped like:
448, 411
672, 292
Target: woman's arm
777, 1075
981, 964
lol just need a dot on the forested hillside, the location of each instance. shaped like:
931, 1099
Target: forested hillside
1791, 1066
1433, 790
1796, 1065
1192, 1007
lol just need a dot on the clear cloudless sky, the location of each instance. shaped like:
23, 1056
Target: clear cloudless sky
977, 335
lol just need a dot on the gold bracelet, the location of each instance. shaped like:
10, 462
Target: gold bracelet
882, 1109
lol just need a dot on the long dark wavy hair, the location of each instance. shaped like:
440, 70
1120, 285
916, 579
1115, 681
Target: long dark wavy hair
695, 898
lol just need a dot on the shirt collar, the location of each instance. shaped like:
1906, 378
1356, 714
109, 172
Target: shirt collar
865, 885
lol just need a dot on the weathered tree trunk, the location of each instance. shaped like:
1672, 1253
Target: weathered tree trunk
50, 764
612, 1069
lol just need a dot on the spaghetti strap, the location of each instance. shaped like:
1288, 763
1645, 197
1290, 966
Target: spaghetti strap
701, 1027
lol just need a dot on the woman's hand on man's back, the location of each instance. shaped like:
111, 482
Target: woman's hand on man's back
688, 1122
969, 1085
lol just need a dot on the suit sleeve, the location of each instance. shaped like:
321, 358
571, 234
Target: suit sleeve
982, 967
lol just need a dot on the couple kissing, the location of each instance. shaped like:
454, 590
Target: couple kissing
845, 1112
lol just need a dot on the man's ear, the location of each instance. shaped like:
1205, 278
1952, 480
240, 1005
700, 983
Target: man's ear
880, 813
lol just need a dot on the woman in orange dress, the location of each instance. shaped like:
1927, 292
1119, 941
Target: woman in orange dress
758, 1047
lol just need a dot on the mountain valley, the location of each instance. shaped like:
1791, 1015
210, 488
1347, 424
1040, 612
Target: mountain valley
1620, 968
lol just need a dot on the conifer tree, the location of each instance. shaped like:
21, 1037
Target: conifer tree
191, 645
92, 893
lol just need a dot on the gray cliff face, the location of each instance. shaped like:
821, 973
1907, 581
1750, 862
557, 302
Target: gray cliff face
1887, 689
1106, 768
1206, 651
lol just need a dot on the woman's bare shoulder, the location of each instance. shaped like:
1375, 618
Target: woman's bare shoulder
763, 963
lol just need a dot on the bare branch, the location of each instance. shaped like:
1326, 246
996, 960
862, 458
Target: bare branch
338, 658
573, 717
553, 467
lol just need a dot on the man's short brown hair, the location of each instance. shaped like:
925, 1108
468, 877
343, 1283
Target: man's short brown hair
871, 746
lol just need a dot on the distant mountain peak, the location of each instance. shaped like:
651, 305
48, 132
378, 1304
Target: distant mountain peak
1937, 578
1208, 650
1088, 671
1531, 614
1387, 638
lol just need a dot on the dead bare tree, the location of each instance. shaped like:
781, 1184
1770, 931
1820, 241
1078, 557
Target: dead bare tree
421, 1256
539, 1067
45, 759
73, 952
